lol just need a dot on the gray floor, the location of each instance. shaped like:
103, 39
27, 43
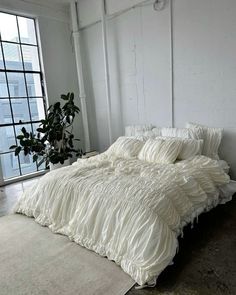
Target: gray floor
206, 262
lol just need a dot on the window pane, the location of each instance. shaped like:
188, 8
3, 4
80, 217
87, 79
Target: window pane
31, 58
10, 165
37, 109
26, 163
1, 59
8, 138
34, 84
12, 55
5, 112
27, 30
16, 82
3, 85
35, 126
8, 27
20, 109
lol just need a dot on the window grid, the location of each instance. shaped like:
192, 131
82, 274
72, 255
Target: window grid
24, 71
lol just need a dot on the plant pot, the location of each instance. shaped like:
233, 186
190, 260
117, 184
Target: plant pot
59, 165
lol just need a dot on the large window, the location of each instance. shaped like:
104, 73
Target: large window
21, 93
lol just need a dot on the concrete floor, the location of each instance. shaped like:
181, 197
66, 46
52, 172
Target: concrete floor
206, 262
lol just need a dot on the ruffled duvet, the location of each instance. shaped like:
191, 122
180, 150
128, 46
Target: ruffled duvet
127, 210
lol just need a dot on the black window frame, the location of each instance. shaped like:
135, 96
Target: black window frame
27, 97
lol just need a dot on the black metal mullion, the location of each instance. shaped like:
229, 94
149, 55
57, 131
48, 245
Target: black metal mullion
8, 152
16, 124
20, 97
20, 71
22, 43
8, 90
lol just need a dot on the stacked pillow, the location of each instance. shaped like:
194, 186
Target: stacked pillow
212, 139
196, 139
134, 130
192, 140
196, 133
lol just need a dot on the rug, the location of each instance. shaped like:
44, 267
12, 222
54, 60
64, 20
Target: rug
35, 261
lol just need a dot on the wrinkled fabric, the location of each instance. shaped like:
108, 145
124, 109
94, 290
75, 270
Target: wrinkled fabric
130, 211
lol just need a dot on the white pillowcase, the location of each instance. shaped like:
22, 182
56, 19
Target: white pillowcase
190, 148
196, 133
125, 147
153, 133
134, 130
159, 150
212, 139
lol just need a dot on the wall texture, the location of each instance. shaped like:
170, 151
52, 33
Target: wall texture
204, 67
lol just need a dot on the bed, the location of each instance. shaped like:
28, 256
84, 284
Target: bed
131, 202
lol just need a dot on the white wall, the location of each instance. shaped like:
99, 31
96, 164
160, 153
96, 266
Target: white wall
139, 74
57, 49
204, 69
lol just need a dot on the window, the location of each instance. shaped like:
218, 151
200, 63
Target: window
21, 90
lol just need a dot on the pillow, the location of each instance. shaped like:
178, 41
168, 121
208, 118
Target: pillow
125, 147
133, 130
196, 133
160, 150
190, 148
145, 135
212, 139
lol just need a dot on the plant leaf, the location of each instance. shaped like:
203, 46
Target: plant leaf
17, 150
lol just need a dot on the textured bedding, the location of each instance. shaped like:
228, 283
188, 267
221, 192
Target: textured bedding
128, 210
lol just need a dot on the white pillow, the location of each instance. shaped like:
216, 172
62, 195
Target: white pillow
190, 148
134, 130
153, 133
196, 133
160, 150
212, 139
125, 147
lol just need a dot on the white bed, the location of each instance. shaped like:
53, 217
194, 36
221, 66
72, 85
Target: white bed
129, 210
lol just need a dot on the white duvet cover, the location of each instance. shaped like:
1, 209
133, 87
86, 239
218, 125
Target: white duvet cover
126, 209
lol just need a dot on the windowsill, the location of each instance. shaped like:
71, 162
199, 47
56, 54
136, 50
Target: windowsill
23, 177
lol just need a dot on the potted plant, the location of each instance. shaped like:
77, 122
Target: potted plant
54, 142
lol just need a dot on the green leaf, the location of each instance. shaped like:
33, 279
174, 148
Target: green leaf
17, 150
26, 151
23, 130
72, 96
64, 97
12, 147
